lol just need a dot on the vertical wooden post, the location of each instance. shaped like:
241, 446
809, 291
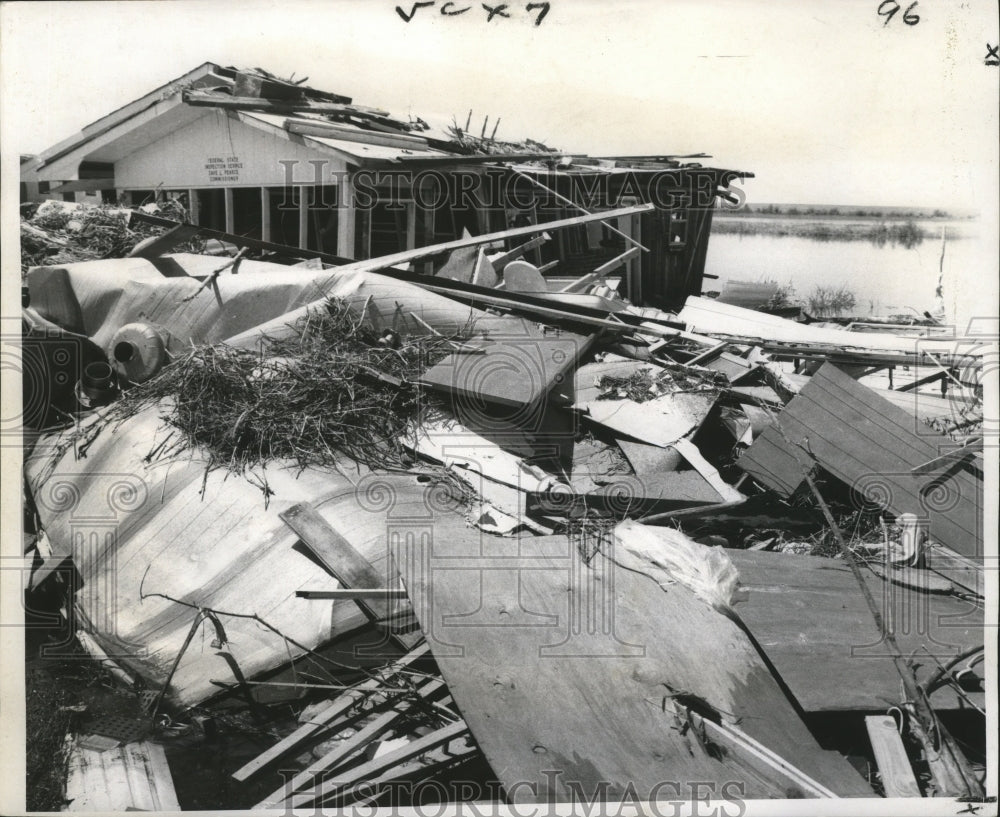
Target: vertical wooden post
345, 216
411, 225
265, 214
230, 215
303, 217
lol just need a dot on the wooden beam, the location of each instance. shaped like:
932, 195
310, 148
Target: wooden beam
303, 218
367, 137
770, 765
319, 720
382, 593
330, 786
708, 355
601, 271
406, 256
923, 381
607, 216
890, 755
203, 99
338, 556
375, 728
949, 458
500, 261
158, 245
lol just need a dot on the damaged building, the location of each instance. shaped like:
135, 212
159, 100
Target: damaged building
249, 154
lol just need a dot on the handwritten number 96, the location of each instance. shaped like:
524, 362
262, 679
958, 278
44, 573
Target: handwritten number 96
888, 8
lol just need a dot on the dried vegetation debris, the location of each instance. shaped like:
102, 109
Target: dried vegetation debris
60, 233
334, 389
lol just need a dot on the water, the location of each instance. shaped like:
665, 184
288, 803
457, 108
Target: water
885, 280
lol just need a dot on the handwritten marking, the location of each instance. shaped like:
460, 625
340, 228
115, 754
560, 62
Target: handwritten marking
888, 9
449, 10
407, 17
992, 54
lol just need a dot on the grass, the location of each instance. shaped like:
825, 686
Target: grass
906, 234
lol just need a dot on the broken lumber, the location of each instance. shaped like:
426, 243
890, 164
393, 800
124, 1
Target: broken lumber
378, 726
890, 756
332, 785
345, 702
606, 215
406, 256
870, 445
605, 269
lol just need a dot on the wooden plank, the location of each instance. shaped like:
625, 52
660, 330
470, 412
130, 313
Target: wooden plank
950, 458
605, 221
345, 134
541, 650
769, 332
318, 721
649, 460
894, 767
711, 475
606, 268
211, 100
334, 784
747, 750
376, 727
703, 358
923, 381
406, 256
661, 421
809, 616
427, 766
338, 556
382, 593
158, 245
868, 443
502, 259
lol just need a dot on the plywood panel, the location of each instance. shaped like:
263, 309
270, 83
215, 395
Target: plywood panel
809, 616
566, 672
871, 445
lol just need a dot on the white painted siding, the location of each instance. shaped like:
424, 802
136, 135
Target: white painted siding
245, 156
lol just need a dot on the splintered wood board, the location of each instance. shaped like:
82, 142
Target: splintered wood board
893, 764
870, 444
808, 614
565, 672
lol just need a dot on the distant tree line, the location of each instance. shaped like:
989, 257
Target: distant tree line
777, 210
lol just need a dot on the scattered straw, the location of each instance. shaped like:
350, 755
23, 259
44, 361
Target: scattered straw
336, 388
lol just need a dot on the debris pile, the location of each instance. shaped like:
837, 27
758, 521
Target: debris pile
64, 232
519, 515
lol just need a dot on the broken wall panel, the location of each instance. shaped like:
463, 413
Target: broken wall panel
539, 649
870, 445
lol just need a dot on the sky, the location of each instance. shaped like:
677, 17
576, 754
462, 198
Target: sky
826, 102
